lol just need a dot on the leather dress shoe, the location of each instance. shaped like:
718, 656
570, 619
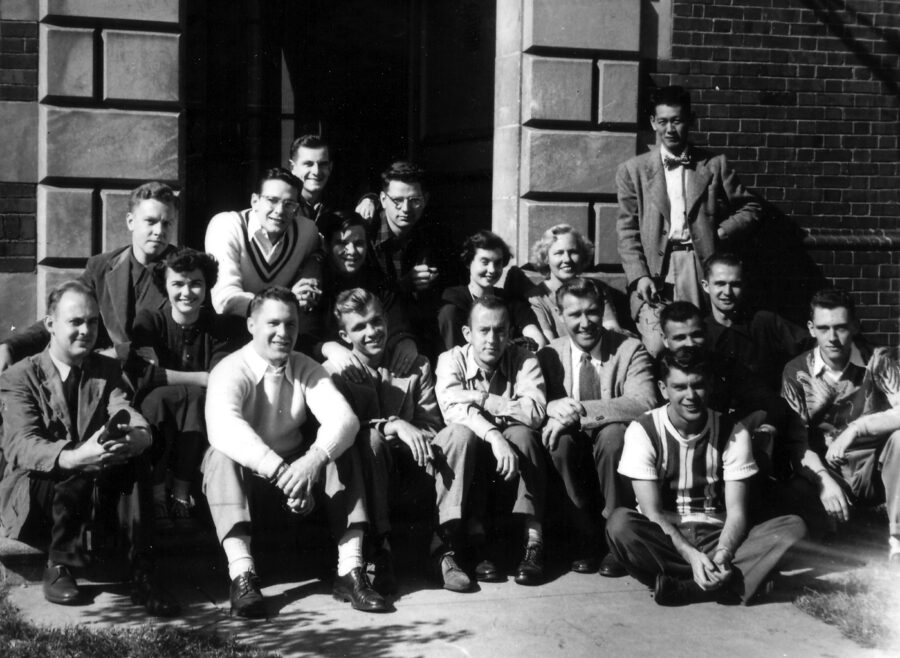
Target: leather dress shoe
147, 591
451, 575
60, 586
610, 567
385, 581
585, 564
486, 570
531, 569
670, 591
354, 588
246, 598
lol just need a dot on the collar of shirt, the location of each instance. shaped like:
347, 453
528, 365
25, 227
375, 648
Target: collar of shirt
596, 353
259, 366
62, 368
666, 153
258, 233
472, 367
137, 268
693, 438
819, 365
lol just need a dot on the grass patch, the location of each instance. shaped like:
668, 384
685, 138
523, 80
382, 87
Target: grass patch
21, 639
864, 606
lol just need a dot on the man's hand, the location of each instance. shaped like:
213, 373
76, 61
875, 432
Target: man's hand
836, 454
348, 363
566, 410
422, 276
6, 359
298, 478
307, 292
135, 441
507, 460
417, 440
722, 559
833, 498
646, 290
92, 457
706, 574
366, 208
550, 433
405, 353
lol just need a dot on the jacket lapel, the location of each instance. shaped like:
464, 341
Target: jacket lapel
55, 395
89, 395
565, 354
696, 181
117, 286
658, 195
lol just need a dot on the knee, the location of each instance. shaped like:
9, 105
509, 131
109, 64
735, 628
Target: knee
524, 438
610, 440
565, 454
618, 525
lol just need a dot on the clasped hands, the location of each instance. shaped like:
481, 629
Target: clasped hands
297, 479
561, 414
711, 573
91, 456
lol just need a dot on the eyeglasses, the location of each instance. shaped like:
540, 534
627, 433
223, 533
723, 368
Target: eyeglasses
413, 201
288, 205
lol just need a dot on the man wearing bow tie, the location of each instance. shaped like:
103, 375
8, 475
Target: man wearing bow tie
678, 204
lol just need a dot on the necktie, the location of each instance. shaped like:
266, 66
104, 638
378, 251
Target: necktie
588, 386
70, 389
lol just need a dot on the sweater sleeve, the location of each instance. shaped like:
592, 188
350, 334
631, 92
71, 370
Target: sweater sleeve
224, 241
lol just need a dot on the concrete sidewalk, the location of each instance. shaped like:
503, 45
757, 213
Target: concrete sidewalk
573, 615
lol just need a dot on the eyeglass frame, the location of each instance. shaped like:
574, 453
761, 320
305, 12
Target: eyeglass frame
288, 205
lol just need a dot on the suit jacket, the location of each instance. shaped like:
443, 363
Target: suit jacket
410, 398
108, 275
627, 383
37, 425
714, 199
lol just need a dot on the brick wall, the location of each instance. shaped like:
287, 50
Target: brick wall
803, 97
18, 61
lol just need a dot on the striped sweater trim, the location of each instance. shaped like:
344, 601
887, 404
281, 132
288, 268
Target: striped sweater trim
266, 271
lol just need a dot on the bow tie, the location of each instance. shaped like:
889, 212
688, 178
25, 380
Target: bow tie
681, 161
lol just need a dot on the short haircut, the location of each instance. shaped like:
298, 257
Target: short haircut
724, 258
691, 360
491, 303
406, 172
308, 142
678, 312
72, 285
541, 248
582, 288
484, 240
155, 191
830, 298
338, 221
355, 300
186, 260
672, 95
275, 294
279, 173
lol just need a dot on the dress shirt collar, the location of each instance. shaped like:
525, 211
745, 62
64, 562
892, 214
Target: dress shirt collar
259, 366
472, 367
62, 368
819, 365
255, 230
596, 353
666, 153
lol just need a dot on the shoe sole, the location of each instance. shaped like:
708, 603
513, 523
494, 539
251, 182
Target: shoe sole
346, 598
73, 601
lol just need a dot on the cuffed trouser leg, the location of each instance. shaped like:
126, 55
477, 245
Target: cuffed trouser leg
608, 444
454, 469
760, 552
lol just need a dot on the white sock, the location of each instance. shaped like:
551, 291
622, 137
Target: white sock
534, 532
350, 552
894, 542
237, 552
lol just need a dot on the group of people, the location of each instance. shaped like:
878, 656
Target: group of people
313, 358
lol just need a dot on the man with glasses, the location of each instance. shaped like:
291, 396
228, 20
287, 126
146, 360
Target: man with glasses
409, 251
269, 244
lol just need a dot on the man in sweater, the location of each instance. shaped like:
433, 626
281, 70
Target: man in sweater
258, 400
269, 244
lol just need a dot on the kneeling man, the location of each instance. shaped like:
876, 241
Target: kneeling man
257, 402
64, 452
689, 467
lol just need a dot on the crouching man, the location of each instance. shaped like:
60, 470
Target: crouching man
258, 399
75, 451
689, 467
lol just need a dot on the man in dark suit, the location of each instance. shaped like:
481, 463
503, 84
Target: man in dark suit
120, 279
598, 381
62, 456
678, 204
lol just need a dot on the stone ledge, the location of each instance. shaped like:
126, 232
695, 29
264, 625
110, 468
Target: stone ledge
848, 239
20, 563
608, 25
163, 11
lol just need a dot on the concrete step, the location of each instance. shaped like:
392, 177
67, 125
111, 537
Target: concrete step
20, 563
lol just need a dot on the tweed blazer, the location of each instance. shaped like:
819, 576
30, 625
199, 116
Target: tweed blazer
715, 200
37, 425
628, 386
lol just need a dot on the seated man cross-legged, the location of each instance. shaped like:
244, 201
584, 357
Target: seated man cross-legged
495, 391
689, 466
258, 400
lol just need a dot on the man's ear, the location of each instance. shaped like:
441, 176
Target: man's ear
48, 323
467, 333
250, 324
254, 199
705, 285
812, 330
129, 221
291, 166
662, 389
344, 336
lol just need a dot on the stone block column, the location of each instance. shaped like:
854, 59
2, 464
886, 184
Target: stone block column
565, 116
108, 118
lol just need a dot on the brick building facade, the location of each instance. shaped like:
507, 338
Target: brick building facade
802, 96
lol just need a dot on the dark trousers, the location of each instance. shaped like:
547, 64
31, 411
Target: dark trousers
526, 493
645, 550
118, 499
176, 415
608, 442
572, 482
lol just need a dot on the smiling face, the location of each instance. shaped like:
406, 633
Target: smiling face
348, 250
275, 207
366, 332
583, 317
149, 222
690, 333
672, 126
73, 327
313, 167
186, 291
687, 394
403, 204
273, 327
833, 329
725, 287
488, 334
486, 268
564, 258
